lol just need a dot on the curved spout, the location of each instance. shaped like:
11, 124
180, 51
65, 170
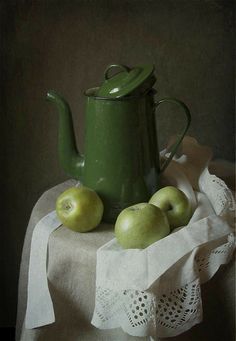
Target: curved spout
70, 159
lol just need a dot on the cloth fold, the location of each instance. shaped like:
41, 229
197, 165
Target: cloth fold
39, 311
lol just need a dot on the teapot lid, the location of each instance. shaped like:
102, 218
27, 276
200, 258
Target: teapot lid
127, 81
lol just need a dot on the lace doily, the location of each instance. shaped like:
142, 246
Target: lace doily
170, 303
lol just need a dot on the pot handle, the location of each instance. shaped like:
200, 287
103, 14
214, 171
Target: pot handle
120, 66
175, 146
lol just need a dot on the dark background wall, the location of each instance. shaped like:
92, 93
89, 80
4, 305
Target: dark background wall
66, 45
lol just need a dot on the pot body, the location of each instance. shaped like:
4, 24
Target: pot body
121, 158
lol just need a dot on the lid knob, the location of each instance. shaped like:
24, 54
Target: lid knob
127, 81
122, 67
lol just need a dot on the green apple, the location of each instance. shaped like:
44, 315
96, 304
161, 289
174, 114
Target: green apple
140, 225
79, 208
175, 204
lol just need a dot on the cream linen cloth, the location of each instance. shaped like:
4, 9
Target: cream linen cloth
71, 279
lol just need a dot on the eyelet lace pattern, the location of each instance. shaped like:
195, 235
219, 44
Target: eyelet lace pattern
159, 312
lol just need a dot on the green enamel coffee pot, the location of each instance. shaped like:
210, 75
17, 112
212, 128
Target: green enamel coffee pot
121, 156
